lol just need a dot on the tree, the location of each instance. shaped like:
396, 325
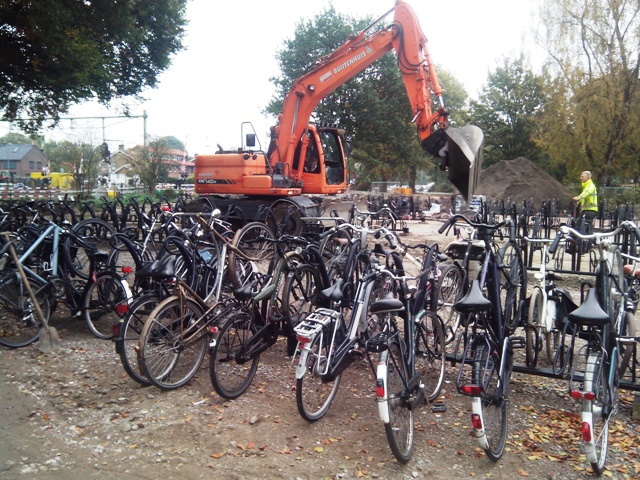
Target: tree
81, 158
373, 106
506, 111
173, 142
57, 53
20, 139
594, 70
151, 164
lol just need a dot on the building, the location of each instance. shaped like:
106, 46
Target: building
18, 161
178, 161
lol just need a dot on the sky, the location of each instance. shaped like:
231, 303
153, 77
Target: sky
221, 78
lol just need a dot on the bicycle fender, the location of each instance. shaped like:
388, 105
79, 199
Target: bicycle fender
476, 409
127, 290
301, 368
381, 376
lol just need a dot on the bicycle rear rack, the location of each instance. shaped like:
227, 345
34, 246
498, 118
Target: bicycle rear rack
315, 322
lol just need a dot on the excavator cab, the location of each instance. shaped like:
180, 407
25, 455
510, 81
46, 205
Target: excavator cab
320, 160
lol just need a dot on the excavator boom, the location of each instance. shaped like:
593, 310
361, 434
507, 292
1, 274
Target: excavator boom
288, 167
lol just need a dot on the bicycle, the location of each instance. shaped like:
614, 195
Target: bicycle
153, 283
261, 311
94, 298
491, 313
331, 339
172, 341
600, 322
410, 368
548, 309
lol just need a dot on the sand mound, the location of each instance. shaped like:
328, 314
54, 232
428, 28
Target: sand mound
521, 179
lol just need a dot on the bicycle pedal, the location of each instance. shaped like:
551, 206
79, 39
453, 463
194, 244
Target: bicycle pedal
438, 406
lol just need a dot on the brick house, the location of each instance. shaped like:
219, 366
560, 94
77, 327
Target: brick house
18, 161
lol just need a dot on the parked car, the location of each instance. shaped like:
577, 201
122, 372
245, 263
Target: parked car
19, 186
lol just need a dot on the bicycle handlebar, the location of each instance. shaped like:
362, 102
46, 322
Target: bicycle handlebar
627, 226
378, 232
481, 226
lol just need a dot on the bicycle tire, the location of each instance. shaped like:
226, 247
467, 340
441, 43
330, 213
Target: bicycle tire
100, 301
552, 341
94, 232
593, 414
493, 402
449, 288
514, 282
532, 327
262, 252
314, 395
380, 287
334, 250
558, 258
430, 353
628, 329
19, 322
166, 357
616, 276
400, 429
130, 328
229, 378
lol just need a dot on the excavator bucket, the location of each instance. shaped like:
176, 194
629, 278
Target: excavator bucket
460, 153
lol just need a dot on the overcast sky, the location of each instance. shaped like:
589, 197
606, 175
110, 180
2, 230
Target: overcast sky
221, 79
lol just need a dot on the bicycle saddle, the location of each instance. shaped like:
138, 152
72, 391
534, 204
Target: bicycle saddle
387, 305
473, 301
590, 313
163, 268
246, 291
334, 292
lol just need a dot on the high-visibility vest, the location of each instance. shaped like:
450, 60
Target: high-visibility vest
588, 199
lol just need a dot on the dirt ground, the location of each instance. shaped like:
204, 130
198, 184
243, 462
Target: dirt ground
76, 414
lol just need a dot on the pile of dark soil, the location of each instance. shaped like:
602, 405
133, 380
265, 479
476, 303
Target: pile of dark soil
521, 179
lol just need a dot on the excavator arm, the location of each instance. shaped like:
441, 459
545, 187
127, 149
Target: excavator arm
458, 149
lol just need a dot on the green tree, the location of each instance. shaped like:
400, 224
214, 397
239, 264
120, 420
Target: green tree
594, 73
151, 164
21, 139
81, 159
173, 142
506, 111
58, 53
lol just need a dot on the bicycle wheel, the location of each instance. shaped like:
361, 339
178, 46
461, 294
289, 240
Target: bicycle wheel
334, 250
255, 240
595, 440
19, 320
558, 258
531, 329
100, 301
513, 284
617, 283
399, 430
449, 288
627, 329
92, 231
314, 395
493, 400
173, 343
128, 336
430, 354
382, 286
229, 378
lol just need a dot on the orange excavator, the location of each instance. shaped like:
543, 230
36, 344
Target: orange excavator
306, 160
